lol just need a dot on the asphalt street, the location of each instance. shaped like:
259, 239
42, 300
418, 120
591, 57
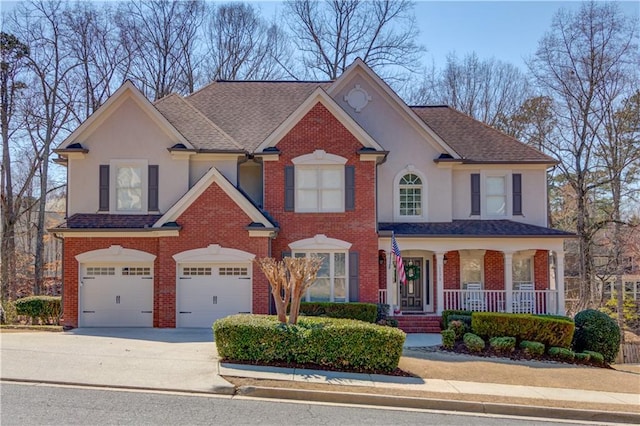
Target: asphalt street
38, 404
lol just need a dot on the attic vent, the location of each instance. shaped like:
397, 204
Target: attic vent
357, 98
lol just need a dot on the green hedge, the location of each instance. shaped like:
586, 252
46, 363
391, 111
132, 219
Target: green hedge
459, 316
473, 342
504, 345
47, 309
547, 330
448, 338
322, 341
596, 331
532, 348
595, 357
563, 354
366, 312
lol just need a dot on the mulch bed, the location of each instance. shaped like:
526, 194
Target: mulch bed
284, 364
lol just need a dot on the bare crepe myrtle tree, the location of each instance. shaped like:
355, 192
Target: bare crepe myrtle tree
290, 279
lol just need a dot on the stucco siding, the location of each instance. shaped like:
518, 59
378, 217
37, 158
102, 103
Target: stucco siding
534, 193
129, 133
408, 147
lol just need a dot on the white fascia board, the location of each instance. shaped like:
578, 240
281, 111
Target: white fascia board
127, 90
213, 176
395, 101
319, 95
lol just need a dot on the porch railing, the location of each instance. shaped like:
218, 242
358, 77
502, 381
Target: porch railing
522, 301
382, 295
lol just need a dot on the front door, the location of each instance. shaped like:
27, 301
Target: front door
412, 295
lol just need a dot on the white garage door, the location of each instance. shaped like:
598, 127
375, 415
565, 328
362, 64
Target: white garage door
207, 292
116, 296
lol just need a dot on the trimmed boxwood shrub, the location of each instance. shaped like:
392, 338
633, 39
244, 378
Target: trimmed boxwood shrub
459, 328
465, 319
596, 331
322, 341
561, 353
366, 312
47, 309
582, 357
503, 344
532, 348
448, 338
473, 342
447, 313
595, 357
547, 330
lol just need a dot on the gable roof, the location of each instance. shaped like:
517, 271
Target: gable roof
395, 101
320, 96
197, 128
475, 141
249, 111
258, 218
127, 90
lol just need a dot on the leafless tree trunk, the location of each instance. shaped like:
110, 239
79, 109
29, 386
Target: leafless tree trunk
13, 52
487, 90
241, 45
331, 34
48, 107
161, 36
579, 58
276, 273
302, 274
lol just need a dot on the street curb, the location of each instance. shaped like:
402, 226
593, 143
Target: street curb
440, 404
217, 390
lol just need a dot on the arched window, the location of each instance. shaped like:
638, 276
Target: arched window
410, 195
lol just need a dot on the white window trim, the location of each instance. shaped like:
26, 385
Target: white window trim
113, 174
319, 160
472, 254
508, 184
307, 296
410, 169
320, 243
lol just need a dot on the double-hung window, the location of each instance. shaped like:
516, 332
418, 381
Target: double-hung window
128, 186
320, 188
471, 267
522, 265
331, 282
496, 199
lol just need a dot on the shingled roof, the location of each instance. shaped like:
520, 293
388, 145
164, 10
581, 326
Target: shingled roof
249, 111
471, 228
475, 141
109, 221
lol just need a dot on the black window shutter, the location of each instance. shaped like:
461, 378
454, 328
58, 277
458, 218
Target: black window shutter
517, 194
354, 276
103, 203
153, 188
475, 194
289, 188
349, 188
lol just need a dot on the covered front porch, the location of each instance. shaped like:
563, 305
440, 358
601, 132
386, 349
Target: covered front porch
492, 274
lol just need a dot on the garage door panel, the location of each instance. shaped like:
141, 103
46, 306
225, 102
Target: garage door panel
116, 296
209, 292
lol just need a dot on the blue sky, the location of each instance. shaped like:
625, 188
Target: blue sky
506, 30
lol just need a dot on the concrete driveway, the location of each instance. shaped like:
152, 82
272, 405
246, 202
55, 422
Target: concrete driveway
171, 359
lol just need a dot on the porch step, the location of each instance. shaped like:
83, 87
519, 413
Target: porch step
418, 324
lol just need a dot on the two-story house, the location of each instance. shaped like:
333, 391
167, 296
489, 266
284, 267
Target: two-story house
170, 202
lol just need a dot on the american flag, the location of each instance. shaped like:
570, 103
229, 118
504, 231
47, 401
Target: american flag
402, 278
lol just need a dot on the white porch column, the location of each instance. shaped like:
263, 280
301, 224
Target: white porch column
560, 281
508, 280
440, 281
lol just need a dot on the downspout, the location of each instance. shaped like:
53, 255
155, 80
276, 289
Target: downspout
61, 276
